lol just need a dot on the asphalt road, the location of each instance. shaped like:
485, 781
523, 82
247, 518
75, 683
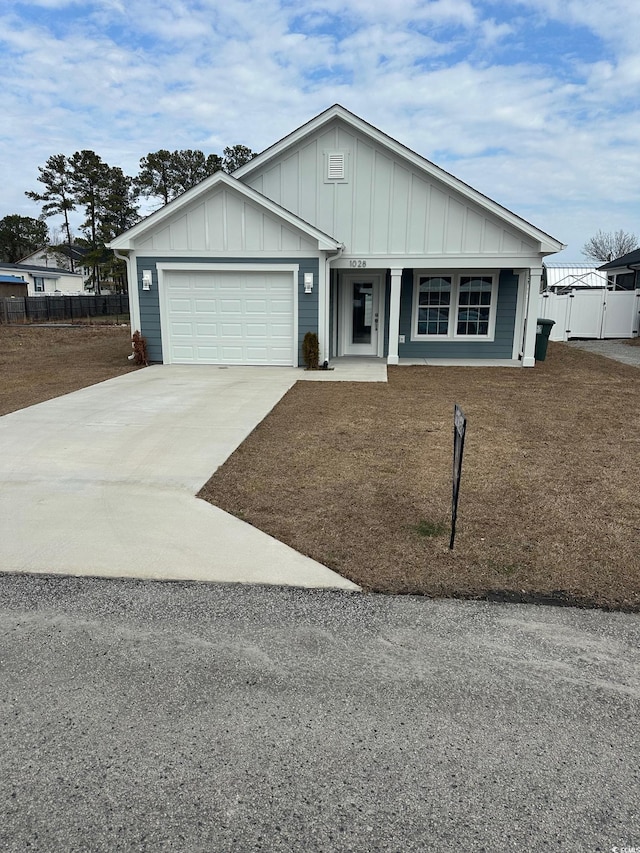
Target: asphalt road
148, 716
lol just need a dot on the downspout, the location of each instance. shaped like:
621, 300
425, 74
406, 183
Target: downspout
326, 344
132, 291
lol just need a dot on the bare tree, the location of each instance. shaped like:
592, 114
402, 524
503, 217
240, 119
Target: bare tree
606, 246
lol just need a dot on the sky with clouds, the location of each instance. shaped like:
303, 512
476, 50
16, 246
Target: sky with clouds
535, 103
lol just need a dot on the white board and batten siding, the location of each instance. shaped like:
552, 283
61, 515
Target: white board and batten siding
226, 315
591, 313
382, 205
225, 223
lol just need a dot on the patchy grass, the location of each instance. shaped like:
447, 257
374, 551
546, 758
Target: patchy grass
632, 342
358, 476
38, 363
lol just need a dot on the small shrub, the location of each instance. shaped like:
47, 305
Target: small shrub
139, 345
311, 350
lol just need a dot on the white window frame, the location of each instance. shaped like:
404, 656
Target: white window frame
454, 306
38, 284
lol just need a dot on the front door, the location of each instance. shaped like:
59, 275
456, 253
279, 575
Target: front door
361, 315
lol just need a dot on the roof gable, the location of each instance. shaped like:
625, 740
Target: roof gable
505, 229
221, 214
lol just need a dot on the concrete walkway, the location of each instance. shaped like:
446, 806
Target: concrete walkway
615, 349
103, 481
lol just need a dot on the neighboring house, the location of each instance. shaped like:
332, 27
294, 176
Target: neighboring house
624, 272
340, 230
59, 257
564, 277
41, 280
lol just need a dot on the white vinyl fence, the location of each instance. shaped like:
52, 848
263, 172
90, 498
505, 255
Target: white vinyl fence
592, 313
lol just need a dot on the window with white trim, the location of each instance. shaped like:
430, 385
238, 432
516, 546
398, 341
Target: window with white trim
434, 305
454, 306
38, 284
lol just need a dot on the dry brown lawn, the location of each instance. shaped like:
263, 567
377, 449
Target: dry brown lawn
358, 476
38, 363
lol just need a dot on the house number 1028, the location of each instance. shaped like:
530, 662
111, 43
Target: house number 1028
358, 264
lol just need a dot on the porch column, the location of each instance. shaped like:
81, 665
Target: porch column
394, 316
528, 349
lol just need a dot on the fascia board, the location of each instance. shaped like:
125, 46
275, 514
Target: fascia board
548, 244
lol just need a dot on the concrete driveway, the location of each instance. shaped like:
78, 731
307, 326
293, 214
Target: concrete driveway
618, 350
103, 481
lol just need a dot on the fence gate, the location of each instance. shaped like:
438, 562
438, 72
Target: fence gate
592, 313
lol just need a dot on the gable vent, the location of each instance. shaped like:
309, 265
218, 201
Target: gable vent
335, 167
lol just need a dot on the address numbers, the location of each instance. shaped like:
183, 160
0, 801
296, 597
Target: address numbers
360, 265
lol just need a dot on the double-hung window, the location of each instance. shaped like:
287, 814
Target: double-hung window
434, 305
38, 284
454, 306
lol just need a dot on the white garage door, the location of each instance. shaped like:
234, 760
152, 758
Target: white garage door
224, 317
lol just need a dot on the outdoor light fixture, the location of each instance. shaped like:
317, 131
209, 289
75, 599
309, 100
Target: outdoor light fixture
308, 282
146, 279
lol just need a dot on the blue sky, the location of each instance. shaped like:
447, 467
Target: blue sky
536, 103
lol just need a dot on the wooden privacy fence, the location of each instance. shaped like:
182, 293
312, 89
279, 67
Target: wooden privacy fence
40, 309
592, 313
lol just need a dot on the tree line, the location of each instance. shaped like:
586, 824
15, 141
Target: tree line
108, 199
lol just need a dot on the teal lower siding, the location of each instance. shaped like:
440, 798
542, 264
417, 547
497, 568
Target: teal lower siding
150, 304
500, 347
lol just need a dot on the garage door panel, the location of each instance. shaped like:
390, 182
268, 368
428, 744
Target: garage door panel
231, 330
183, 353
182, 329
279, 331
279, 307
205, 306
229, 317
180, 306
206, 330
207, 354
257, 330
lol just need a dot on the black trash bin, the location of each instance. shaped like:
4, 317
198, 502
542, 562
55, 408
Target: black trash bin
543, 330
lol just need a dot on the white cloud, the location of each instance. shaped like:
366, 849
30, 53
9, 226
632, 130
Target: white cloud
449, 78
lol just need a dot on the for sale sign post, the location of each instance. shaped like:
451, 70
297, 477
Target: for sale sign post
459, 430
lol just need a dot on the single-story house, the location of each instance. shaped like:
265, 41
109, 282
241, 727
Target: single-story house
340, 230
42, 280
624, 272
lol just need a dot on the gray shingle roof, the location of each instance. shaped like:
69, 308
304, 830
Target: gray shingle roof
624, 261
36, 269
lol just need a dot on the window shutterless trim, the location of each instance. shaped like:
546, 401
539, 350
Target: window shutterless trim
454, 304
